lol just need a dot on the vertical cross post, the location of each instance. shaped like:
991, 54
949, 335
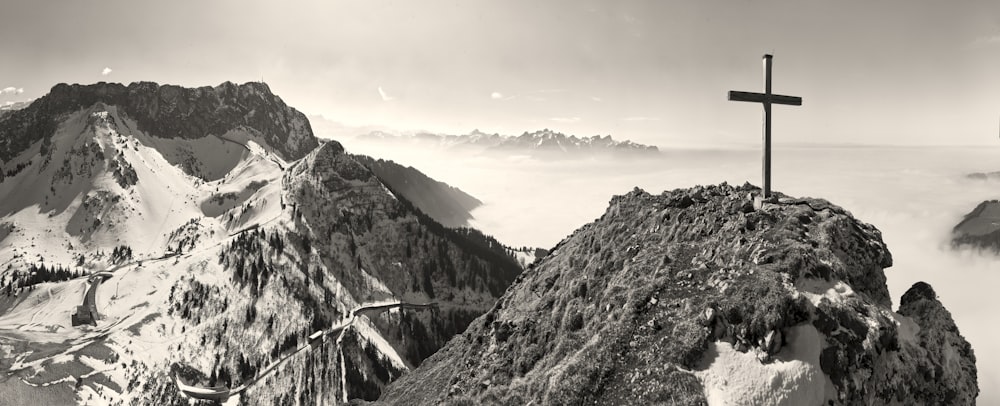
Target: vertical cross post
767, 126
766, 99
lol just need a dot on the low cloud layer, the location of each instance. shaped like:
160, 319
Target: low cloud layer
12, 90
106, 71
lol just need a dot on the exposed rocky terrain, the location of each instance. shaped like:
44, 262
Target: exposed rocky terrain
448, 205
695, 297
980, 228
167, 111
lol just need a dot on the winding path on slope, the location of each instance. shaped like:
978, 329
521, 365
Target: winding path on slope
87, 312
221, 393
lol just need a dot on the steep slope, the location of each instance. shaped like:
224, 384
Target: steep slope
980, 228
446, 204
342, 240
695, 297
173, 112
214, 261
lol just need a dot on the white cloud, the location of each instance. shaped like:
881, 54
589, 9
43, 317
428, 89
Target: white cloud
106, 71
10, 90
596, 99
565, 119
641, 118
20, 90
385, 97
985, 41
500, 96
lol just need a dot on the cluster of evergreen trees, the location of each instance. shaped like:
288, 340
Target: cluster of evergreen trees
245, 257
486, 258
14, 171
121, 254
196, 297
34, 275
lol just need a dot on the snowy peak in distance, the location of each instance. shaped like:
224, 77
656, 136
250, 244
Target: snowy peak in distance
544, 142
167, 112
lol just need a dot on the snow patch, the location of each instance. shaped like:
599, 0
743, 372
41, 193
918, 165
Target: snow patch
793, 378
817, 289
906, 328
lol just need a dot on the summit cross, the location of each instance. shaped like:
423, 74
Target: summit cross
767, 99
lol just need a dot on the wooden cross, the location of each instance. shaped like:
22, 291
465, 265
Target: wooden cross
767, 99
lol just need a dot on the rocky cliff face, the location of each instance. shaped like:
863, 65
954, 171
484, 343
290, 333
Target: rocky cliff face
166, 111
693, 297
446, 204
979, 228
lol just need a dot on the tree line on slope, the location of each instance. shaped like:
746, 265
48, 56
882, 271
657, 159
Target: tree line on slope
35, 274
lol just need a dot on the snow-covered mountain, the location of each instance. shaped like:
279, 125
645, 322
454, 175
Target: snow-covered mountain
205, 238
545, 142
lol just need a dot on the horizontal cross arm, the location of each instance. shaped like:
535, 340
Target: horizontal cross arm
761, 98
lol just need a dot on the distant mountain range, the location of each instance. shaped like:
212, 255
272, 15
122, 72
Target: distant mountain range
543, 142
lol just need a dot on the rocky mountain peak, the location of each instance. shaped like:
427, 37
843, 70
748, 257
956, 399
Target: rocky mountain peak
168, 111
695, 296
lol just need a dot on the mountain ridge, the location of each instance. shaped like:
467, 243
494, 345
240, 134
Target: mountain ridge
166, 111
543, 141
447, 204
220, 256
695, 296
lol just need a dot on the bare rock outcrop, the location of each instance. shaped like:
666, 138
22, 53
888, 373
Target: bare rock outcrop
695, 297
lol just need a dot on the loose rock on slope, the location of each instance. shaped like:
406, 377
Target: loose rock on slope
694, 297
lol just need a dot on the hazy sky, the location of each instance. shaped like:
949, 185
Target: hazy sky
874, 72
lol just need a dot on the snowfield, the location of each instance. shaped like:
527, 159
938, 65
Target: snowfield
794, 376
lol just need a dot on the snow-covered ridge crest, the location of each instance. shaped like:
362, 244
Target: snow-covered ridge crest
167, 111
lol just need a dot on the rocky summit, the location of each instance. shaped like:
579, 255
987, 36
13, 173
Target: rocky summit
979, 228
167, 111
697, 297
